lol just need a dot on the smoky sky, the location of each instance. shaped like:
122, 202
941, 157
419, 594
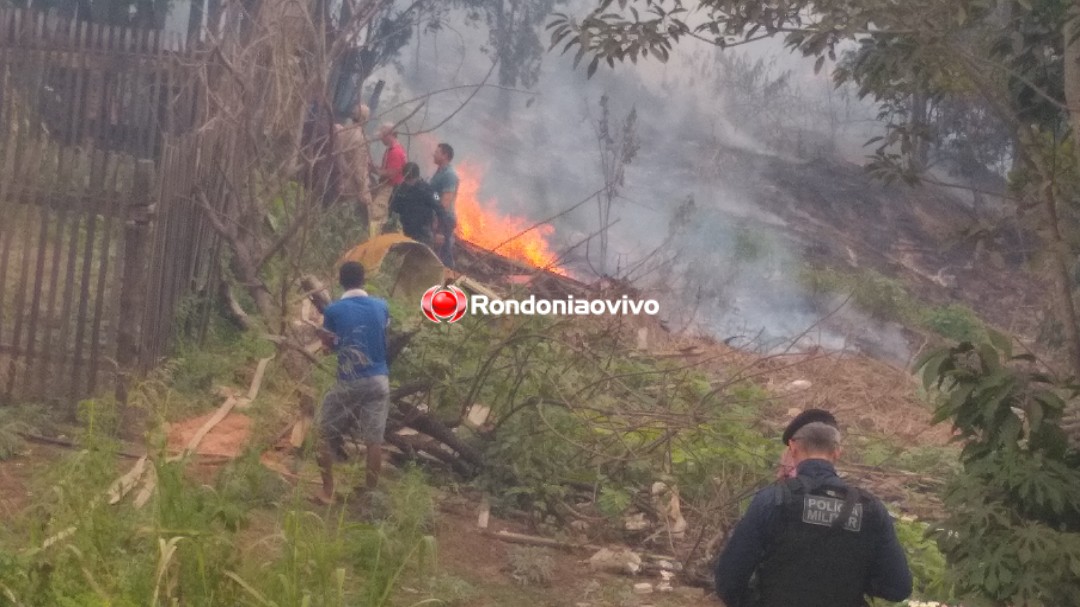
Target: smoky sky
538, 151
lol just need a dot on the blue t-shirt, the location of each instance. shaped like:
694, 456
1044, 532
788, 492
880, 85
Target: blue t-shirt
444, 180
360, 325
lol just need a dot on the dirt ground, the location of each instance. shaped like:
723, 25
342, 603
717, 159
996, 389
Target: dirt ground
484, 562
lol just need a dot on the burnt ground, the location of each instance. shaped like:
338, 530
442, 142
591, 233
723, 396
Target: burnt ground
942, 246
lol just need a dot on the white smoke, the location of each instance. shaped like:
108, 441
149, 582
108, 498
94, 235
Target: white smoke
730, 269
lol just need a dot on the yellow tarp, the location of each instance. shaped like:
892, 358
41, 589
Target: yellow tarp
412, 267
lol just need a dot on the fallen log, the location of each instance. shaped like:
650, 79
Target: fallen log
421, 444
547, 542
422, 422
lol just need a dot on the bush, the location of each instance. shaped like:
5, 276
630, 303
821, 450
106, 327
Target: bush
956, 322
877, 295
1012, 536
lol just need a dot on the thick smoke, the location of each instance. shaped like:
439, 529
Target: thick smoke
691, 225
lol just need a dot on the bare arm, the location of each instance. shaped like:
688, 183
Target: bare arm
448, 198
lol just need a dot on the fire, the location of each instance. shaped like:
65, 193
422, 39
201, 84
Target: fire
479, 223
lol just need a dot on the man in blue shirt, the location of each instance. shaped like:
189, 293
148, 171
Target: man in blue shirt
355, 328
814, 540
445, 183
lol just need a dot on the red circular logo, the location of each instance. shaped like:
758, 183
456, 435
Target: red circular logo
444, 304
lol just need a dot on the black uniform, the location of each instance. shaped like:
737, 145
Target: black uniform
813, 541
418, 206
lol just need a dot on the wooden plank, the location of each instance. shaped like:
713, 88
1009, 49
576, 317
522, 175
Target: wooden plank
133, 284
67, 165
97, 168
52, 317
31, 167
101, 300
44, 173
44, 220
17, 140
79, 161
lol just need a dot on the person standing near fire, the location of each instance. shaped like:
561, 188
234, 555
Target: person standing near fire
445, 183
389, 175
355, 328
353, 160
418, 208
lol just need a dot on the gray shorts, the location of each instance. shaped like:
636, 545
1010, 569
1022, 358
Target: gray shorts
363, 402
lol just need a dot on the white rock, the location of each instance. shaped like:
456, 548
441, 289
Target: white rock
636, 522
623, 560
643, 588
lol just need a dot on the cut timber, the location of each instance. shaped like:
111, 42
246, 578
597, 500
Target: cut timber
485, 514
476, 287
256, 382
533, 540
123, 485
147, 490
547, 542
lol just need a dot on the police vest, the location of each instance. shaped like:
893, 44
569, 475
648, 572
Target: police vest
822, 547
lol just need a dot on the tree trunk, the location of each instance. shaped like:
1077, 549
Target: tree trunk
1060, 257
1062, 254
1072, 72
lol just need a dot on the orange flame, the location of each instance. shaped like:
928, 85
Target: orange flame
479, 223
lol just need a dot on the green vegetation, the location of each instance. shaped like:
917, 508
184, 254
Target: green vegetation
1012, 535
577, 414
245, 539
888, 299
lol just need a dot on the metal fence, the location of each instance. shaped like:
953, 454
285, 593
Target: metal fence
99, 238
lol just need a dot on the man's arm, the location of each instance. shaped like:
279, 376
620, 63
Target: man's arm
890, 576
447, 199
441, 214
327, 334
745, 549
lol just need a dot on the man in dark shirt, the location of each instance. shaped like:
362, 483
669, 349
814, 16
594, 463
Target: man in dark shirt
813, 541
417, 206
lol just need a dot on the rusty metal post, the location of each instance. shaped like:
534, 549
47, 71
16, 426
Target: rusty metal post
133, 282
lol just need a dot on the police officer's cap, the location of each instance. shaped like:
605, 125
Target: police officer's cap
808, 417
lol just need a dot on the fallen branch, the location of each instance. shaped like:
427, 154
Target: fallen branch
59, 442
547, 542
422, 422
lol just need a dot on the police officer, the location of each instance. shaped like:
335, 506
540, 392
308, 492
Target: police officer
814, 540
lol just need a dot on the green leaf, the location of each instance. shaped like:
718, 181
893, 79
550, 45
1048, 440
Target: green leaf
1000, 341
930, 366
592, 67
989, 356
